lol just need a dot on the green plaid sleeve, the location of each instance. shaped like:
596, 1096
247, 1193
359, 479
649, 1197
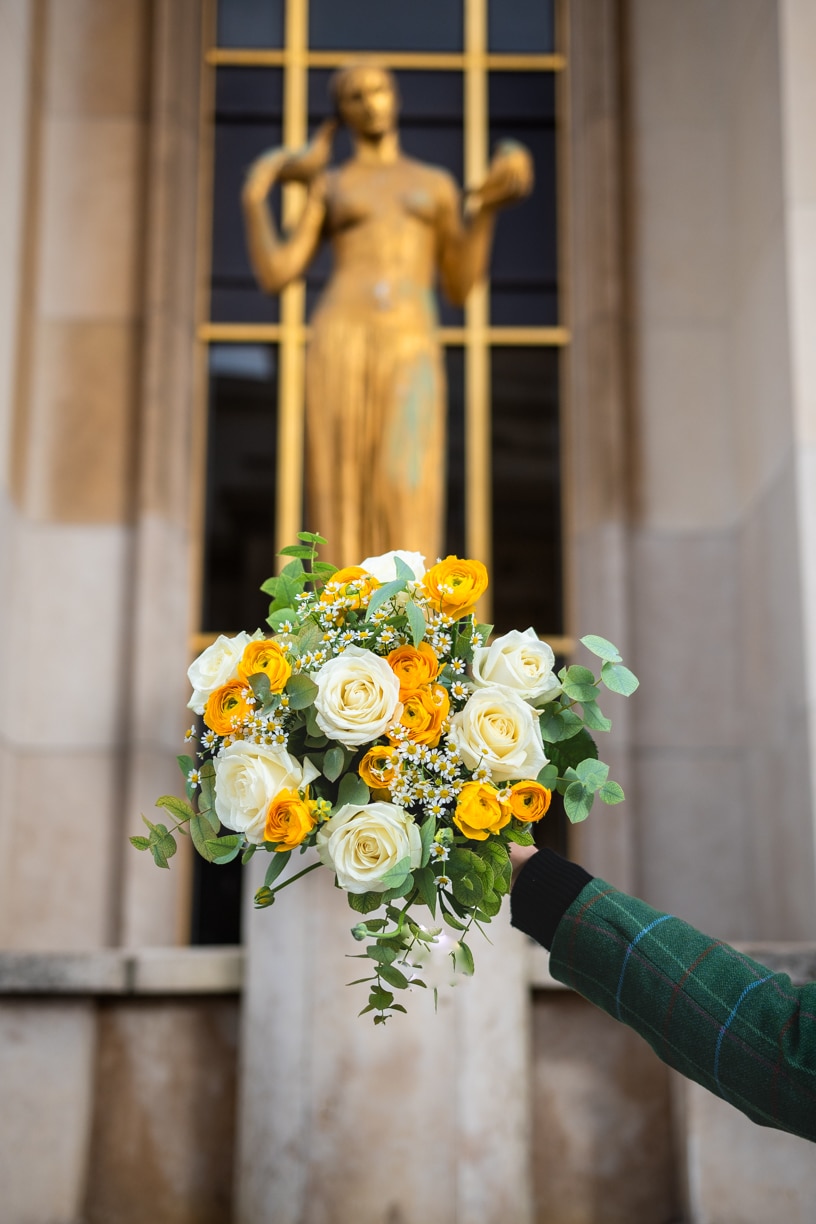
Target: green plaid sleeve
741, 1031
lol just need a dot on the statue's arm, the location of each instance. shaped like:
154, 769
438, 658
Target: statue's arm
277, 261
465, 241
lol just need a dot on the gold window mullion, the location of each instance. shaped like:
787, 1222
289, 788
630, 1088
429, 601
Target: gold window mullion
289, 476
478, 534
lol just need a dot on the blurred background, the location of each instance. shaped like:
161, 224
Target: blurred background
632, 452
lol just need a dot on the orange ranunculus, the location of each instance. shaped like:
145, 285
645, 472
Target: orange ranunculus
380, 767
263, 655
424, 710
529, 801
352, 584
454, 587
414, 666
479, 811
227, 708
289, 819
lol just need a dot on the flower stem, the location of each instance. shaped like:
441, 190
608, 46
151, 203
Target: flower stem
291, 880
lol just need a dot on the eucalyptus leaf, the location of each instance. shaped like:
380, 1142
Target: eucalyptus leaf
141, 843
200, 831
463, 959
593, 717
416, 621
425, 882
427, 831
610, 792
571, 752
619, 679
559, 724
382, 595
177, 807
277, 863
225, 849
592, 773
301, 691
333, 763
577, 802
185, 764
352, 789
601, 647
393, 976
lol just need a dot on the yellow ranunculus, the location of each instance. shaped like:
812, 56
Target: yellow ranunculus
454, 587
289, 819
529, 801
352, 584
380, 767
479, 812
267, 657
413, 666
227, 708
424, 710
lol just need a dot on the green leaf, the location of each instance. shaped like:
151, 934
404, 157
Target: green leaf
206, 798
559, 724
463, 959
579, 684
416, 621
600, 647
296, 550
333, 763
395, 876
301, 691
177, 807
489, 906
520, 835
580, 747
225, 849
281, 617
484, 632
200, 831
619, 679
141, 843
247, 855
426, 832
270, 587
610, 792
594, 718
497, 858
352, 789
467, 887
382, 595
425, 882
380, 999
279, 860
364, 903
592, 773
548, 776
382, 954
162, 844
577, 802
393, 976
185, 764
312, 537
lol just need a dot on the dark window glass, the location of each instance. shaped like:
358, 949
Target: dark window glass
524, 269
216, 902
430, 131
522, 26
250, 23
385, 25
239, 548
247, 121
526, 578
455, 513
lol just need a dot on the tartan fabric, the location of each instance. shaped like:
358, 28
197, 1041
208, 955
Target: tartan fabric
741, 1031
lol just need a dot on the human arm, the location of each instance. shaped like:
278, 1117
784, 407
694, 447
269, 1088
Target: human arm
277, 261
715, 1015
465, 241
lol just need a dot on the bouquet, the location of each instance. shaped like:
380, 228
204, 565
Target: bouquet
381, 726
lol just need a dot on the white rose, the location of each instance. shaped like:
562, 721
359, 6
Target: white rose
520, 662
247, 779
498, 730
384, 569
362, 843
215, 666
357, 697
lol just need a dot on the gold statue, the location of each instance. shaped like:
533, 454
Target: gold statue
375, 385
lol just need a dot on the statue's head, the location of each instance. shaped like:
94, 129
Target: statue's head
365, 99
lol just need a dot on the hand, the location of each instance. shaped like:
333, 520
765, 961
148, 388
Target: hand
313, 158
518, 857
510, 178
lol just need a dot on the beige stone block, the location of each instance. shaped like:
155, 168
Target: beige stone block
602, 1142
681, 203
161, 1144
676, 53
92, 219
101, 971
46, 1068
740, 1173
801, 251
694, 839
80, 446
761, 371
67, 622
97, 57
61, 837
685, 470
797, 36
